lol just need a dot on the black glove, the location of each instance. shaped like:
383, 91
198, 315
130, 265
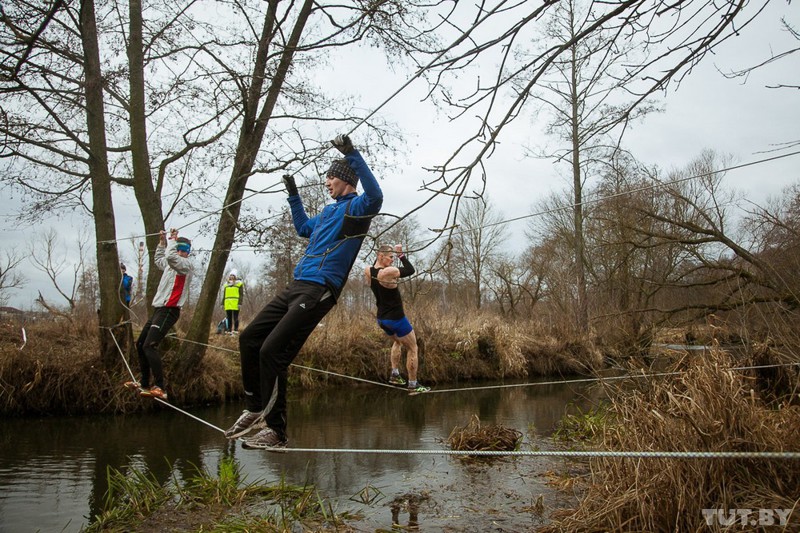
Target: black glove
343, 144
291, 186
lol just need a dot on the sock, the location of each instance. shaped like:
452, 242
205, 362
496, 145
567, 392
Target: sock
395, 371
412, 384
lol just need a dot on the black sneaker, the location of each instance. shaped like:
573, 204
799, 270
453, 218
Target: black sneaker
246, 423
266, 439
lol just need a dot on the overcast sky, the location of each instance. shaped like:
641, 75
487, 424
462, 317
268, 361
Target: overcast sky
706, 111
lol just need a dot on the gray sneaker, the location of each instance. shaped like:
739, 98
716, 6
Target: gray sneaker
246, 423
266, 439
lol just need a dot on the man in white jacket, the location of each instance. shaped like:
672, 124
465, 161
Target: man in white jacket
173, 258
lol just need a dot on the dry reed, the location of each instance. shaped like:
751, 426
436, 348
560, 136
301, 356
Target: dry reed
706, 408
59, 371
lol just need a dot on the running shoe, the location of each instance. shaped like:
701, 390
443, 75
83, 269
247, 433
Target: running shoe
418, 389
396, 380
154, 392
133, 385
266, 439
247, 422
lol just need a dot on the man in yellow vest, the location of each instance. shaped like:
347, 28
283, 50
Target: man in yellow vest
232, 295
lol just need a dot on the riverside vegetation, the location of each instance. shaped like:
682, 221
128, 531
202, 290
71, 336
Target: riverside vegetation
705, 406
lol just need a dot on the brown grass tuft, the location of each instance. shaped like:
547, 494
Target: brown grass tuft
477, 437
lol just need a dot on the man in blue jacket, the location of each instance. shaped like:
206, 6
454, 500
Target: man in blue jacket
270, 342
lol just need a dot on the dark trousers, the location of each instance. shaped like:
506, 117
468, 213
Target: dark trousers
147, 345
269, 344
233, 319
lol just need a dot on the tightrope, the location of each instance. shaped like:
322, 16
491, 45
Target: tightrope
498, 453
505, 386
344, 376
159, 400
561, 453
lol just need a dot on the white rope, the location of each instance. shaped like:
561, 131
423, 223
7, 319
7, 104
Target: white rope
498, 453
488, 387
292, 364
190, 415
344, 376
121, 353
563, 453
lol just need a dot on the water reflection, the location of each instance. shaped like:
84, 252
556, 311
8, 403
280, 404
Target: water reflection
53, 471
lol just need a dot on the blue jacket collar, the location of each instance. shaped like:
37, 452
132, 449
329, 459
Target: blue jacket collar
346, 197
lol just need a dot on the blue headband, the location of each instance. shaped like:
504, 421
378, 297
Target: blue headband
183, 247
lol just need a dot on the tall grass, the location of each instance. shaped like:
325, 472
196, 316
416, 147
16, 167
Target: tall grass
59, 370
707, 408
464, 346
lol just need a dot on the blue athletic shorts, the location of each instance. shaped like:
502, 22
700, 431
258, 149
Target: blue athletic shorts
401, 327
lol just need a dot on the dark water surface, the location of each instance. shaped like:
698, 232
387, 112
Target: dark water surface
53, 470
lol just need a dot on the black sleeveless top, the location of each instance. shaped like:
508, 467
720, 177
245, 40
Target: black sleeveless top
390, 304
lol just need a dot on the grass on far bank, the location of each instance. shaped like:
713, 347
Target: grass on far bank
58, 371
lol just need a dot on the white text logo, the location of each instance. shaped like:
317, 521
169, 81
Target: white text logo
746, 517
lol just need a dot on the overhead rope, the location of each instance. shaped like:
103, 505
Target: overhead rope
462, 37
418, 245
599, 199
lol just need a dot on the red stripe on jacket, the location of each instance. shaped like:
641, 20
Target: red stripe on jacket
177, 291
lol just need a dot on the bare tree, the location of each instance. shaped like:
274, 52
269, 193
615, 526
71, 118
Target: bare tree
291, 35
190, 98
10, 277
516, 287
581, 94
793, 32
718, 268
475, 246
673, 37
49, 257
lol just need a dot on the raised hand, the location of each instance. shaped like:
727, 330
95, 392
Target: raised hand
343, 144
291, 186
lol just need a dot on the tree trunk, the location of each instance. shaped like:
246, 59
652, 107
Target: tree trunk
108, 272
147, 197
254, 126
582, 311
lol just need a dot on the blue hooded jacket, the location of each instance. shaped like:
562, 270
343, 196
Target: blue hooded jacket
335, 235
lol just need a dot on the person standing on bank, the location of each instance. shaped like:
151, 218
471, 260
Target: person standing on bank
272, 340
232, 297
383, 278
125, 286
173, 258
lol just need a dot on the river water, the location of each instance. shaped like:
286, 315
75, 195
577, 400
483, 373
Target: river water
53, 470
